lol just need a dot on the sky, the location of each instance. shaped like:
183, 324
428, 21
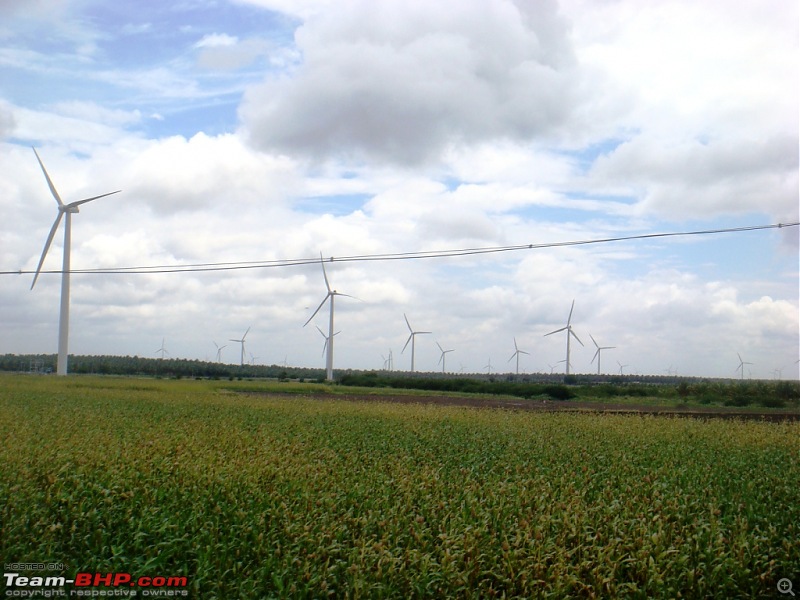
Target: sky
268, 130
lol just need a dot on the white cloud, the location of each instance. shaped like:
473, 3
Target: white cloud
418, 79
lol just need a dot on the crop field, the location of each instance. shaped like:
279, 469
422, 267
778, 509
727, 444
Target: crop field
258, 496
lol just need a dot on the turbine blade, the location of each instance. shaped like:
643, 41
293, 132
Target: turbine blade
407, 323
571, 308
407, 341
596, 345
440, 346
523, 352
556, 331
314, 314
575, 336
46, 176
47, 246
324, 274
335, 293
512, 356
421, 332
84, 201
246, 332
595, 356
322, 333
441, 358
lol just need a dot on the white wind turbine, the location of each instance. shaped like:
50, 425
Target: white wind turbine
219, 351
331, 294
162, 350
241, 341
568, 329
742, 363
597, 354
68, 210
442, 357
621, 366
488, 367
517, 352
412, 338
388, 362
327, 339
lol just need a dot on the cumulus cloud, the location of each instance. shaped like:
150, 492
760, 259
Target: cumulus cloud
401, 82
689, 178
7, 121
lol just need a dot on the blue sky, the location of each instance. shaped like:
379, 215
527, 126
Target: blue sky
263, 129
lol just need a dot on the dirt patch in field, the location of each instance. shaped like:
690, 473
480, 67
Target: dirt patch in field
563, 406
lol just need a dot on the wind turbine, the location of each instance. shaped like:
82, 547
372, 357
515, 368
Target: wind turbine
241, 341
387, 362
742, 363
442, 357
621, 366
488, 367
597, 354
162, 350
68, 210
219, 351
517, 352
412, 338
326, 345
329, 339
568, 329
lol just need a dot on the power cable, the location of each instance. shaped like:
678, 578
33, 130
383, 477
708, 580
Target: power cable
418, 255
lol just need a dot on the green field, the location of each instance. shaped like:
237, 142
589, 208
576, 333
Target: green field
289, 496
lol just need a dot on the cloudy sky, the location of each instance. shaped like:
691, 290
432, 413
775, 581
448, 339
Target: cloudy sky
260, 130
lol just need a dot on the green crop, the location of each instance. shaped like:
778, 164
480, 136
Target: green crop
286, 496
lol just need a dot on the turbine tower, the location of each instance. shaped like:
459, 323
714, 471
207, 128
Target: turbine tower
517, 352
412, 338
568, 329
241, 341
442, 357
742, 363
331, 294
68, 210
597, 354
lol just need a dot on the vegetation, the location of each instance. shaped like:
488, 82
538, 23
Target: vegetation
264, 496
669, 391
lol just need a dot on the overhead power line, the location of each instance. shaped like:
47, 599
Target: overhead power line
425, 254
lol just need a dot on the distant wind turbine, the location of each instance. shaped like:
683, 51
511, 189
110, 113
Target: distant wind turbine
488, 367
162, 350
241, 341
597, 354
219, 351
568, 329
68, 210
517, 352
330, 295
253, 359
387, 362
442, 357
412, 338
621, 366
326, 345
742, 363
